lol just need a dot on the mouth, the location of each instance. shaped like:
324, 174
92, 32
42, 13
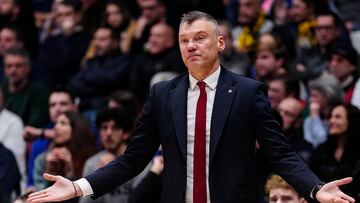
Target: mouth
193, 57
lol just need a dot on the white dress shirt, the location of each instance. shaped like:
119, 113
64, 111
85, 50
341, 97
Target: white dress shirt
193, 94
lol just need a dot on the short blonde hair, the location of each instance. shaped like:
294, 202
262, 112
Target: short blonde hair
274, 182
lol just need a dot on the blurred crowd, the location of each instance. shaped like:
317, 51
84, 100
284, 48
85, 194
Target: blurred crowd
75, 74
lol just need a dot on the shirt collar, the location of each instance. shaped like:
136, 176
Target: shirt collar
211, 81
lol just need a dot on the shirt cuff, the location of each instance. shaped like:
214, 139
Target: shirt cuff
85, 187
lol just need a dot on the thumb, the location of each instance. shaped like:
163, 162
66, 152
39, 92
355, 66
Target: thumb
343, 181
51, 177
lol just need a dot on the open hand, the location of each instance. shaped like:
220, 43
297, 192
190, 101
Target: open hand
330, 192
61, 190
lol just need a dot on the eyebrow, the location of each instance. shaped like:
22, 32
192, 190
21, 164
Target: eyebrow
197, 33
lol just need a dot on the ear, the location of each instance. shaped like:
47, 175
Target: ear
221, 43
126, 136
280, 62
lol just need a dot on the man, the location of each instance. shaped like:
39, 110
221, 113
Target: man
160, 56
106, 72
252, 22
11, 128
18, 14
60, 100
312, 61
54, 54
152, 13
115, 128
22, 96
270, 58
236, 112
279, 191
281, 87
291, 110
344, 65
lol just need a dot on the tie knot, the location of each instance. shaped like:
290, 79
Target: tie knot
201, 85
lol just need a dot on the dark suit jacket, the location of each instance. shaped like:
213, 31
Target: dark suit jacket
241, 114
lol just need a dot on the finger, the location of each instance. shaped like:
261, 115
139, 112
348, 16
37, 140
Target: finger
51, 177
347, 198
343, 181
40, 200
35, 194
41, 196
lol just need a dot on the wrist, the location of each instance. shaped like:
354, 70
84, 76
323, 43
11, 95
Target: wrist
42, 133
315, 190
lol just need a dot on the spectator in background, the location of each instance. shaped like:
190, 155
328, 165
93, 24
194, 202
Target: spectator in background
106, 72
9, 175
339, 156
159, 56
118, 17
270, 58
252, 22
313, 61
11, 128
18, 14
291, 110
235, 62
22, 96
279, 191
72, 144
344, 66
9, 37
126, 100
323, 95
281, 87
60, 100
152, 13
150, 187
299, 32
115, 126
60, 55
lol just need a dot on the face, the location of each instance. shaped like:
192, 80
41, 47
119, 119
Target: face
6, 7
64, 13
317, 97
276, 92
340, 67
226, 32
62, 129
151, 10
290, 110
16, 69
103, 42
200, 46
7, 40
59, 102
338, 122
160, 39
248, 11
114, 15
283, 195
325, 30
112, 136
300, 11
265, 63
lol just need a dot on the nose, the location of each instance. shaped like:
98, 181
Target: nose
191, 46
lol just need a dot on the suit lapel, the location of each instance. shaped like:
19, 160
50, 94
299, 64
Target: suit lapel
178, 99
224, 95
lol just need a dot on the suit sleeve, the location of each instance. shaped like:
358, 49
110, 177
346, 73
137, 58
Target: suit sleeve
283, 159
138, 154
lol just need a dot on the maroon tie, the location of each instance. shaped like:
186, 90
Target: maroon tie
199, 190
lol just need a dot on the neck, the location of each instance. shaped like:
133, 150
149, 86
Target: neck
202, 73
17, 86
120, 150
